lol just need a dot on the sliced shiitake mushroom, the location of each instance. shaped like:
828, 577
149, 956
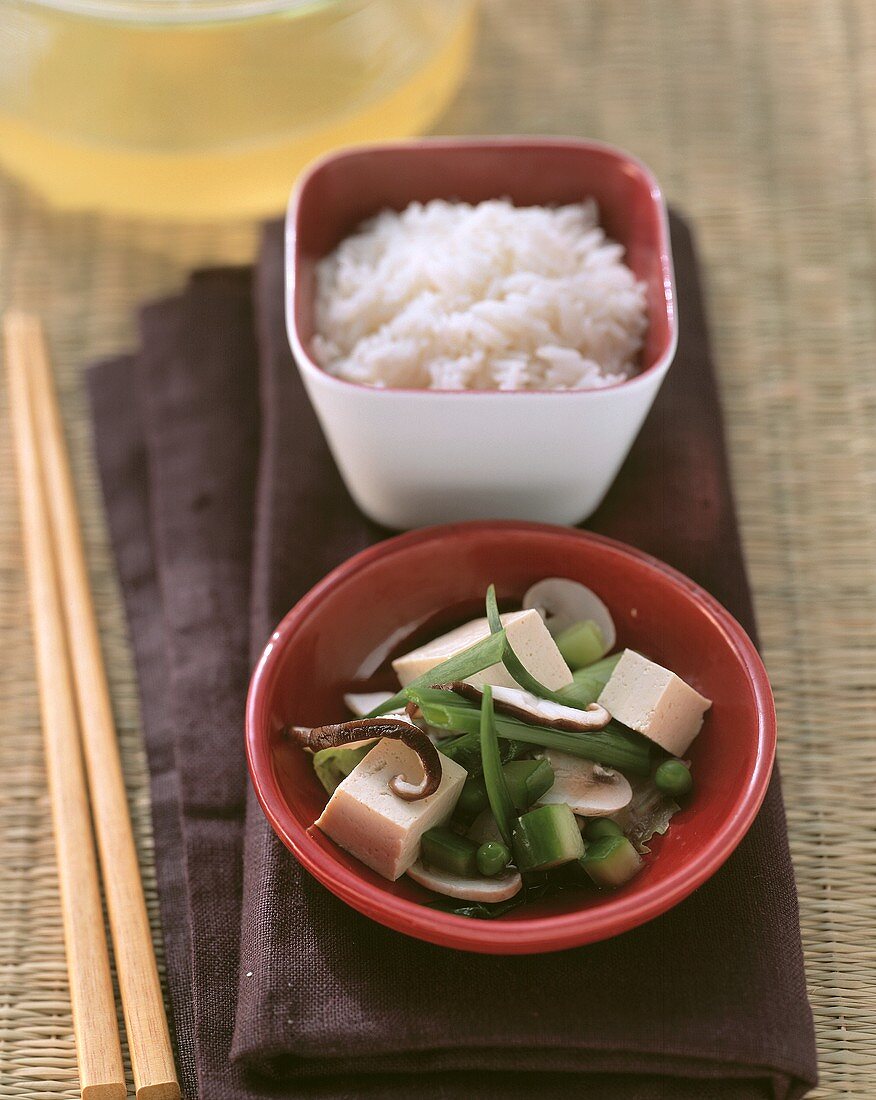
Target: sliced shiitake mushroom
362, 729
562, 603
529, 708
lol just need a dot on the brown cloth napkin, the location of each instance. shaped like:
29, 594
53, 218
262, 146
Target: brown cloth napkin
278, 989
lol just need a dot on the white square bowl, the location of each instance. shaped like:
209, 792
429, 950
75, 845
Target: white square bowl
415, 457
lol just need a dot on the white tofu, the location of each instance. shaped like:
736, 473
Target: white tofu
361, 703
372, 823
651, 699
529, 637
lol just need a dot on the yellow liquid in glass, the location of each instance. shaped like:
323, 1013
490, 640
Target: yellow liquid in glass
215, 118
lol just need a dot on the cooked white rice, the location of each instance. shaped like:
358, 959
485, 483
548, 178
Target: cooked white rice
450, 296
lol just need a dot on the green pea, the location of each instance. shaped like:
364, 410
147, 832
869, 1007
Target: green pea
493, 857
673, 777
599, 827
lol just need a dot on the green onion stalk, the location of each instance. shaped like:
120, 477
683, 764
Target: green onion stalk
613, 747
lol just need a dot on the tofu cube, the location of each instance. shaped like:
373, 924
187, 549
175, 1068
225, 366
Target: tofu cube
529, 637
372, 823
651, 699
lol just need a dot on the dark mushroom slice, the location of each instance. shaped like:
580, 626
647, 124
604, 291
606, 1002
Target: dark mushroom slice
397, 729
528, 708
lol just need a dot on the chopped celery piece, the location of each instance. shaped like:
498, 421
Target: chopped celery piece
332, 766
600, 670
611, 861
476, 658
614, 747
597, 828
445, 850
581, 644
497, 790
581, 692
527, 781
587, 683
547, 837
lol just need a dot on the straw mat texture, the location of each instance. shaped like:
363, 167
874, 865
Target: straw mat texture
760, 120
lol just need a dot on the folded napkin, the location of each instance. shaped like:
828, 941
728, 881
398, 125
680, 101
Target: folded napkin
224, 507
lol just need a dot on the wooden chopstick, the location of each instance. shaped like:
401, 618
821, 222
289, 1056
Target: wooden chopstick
99, 1053
142, 1002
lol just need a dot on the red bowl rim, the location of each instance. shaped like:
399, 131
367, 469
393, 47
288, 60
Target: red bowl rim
528, 935
417, 146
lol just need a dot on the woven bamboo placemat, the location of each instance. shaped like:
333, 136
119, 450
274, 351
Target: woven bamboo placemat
760, 120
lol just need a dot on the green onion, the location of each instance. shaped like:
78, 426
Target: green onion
466, 750
516, 669
493, 616
497, 790
613, 747
458, 667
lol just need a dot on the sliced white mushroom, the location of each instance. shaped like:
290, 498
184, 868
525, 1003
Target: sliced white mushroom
523, 705
589, 789
361, 703
562, 603
498, 888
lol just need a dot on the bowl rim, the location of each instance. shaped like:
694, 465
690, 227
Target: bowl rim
525, 935
310, 368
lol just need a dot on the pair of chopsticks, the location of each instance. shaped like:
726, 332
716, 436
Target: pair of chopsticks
80, 741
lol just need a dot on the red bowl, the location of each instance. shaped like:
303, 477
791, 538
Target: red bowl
342, 632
